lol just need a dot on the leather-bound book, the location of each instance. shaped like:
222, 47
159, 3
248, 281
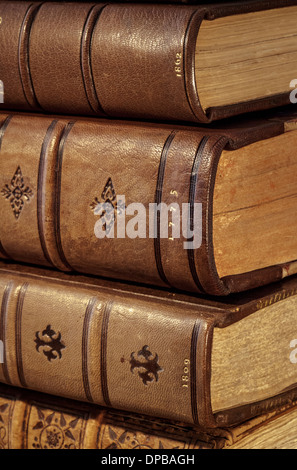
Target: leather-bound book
32, 420
198, 2
148, 61
209, 210
177, 357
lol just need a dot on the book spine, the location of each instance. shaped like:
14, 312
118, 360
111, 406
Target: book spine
105, 347
66, 58
132, 60
31, 420
57, 176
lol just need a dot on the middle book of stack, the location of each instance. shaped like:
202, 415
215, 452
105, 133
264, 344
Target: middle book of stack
183, 234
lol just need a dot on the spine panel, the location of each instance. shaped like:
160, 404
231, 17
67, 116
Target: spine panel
28, 419
103, 347
57, 176
97, 59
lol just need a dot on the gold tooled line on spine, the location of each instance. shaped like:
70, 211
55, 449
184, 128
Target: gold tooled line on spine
18, 333
23, 56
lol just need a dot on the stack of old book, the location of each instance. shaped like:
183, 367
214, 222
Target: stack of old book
148, 173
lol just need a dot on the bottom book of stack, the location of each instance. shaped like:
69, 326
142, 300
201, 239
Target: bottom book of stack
32, 420
75, 349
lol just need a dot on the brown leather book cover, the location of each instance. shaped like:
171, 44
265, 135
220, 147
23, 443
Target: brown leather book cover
198, 2
53, 54
60, 177
31, 420
145, 351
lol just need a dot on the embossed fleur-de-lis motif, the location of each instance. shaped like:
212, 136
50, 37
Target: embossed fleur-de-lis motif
108, 206
17, 192
50, 342
147, 363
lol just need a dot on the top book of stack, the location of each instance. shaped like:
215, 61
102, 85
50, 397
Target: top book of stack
193, 63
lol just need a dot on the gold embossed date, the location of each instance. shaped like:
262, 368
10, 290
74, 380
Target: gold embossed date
186, 374
178, 64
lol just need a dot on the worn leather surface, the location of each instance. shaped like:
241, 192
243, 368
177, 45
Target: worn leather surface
118, 60
90, 343
62, 169
90, 339
31, 420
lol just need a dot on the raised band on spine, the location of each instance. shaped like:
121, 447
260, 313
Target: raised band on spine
85, 59
23, 56
193, 369
103, 362
18, 334
57, 199
192, 194
158, 200
3, 319
41, 192
85, 339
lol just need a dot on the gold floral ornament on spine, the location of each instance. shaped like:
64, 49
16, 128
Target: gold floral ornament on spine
17, 193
